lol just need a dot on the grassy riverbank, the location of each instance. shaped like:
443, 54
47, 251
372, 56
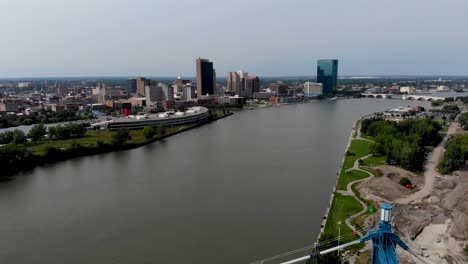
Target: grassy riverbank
20, 157
358, 149
345, 205
404, 144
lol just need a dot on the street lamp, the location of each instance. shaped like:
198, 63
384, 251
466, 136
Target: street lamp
339, 234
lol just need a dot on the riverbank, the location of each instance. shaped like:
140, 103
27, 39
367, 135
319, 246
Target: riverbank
345, 203
17, 158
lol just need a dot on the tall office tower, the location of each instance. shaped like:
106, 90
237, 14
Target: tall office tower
243, 82
168, 91
153, 92
141, 83
253, 85
233, 82
205, 78
188, 92
131, 85
327, 75
215, 91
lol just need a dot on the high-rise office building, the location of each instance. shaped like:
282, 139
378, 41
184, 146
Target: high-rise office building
153, 92
327, 75
205, 77
131, 85
253, 85
233, 82
243, 75
168, 91
141, 83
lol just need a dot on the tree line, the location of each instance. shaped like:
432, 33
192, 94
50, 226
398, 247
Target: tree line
43, 116
39, 131
403, 143
455, 155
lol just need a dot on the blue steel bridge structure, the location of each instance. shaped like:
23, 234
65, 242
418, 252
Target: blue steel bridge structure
384, 244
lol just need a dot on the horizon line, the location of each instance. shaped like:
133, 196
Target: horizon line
220, 77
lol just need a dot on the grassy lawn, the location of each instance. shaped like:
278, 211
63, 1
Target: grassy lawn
359, 148
342, 207
375, 161
367, 137
91, 137
89, 140
346, 178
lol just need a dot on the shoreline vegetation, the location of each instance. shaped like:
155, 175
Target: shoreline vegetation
374, 142
74, 141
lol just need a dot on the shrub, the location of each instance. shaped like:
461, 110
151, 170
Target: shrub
148, 132
121, 137
404, 181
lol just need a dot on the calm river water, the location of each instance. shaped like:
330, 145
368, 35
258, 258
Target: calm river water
241, 189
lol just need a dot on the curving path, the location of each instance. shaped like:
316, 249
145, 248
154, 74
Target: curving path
349, 191
358, 135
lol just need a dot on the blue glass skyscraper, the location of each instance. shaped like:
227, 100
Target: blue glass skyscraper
327, 75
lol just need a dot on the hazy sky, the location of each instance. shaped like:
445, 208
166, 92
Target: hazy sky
265, 37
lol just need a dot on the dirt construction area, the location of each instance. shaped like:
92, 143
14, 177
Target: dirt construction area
437, 225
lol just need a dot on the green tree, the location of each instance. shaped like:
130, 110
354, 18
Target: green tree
6, 137
52, 132
148, 132
19, 137
162, 130
404, 181
12, 158
37, 132
121, 137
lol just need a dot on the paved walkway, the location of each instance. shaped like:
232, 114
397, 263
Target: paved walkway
358, 136
349, 190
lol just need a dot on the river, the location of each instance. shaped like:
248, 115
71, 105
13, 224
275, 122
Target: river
237, 190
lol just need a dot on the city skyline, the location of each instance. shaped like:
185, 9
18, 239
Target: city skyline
123, 38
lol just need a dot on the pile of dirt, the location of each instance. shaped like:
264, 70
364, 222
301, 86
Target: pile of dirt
437, 226
387, 188
456, 204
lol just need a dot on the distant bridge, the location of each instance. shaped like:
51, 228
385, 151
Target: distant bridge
405, 97
377, 95
422, 97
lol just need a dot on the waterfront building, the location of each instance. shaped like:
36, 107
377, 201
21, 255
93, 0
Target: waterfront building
327, 75
243, 76
407, 89
131, 86
233, 82
253, 85
311, 88
264, 95
193, 115
280, 88
205, 77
